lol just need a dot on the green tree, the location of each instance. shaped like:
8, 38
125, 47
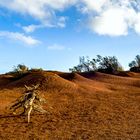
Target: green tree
85, 65
21, 68
108, 64
135, 64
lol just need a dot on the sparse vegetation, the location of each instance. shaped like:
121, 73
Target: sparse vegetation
21, 68
135, 64
19, 71
107, 64
85, 65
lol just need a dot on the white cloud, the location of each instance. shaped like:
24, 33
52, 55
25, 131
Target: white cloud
137, 24
43, 10
19, 37
94, 5
106, 17
110, 22
113, 18
31, 28
60, 23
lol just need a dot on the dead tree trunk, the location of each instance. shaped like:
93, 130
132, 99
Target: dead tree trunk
30, 101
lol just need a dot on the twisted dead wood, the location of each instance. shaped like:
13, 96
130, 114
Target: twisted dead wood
30, 101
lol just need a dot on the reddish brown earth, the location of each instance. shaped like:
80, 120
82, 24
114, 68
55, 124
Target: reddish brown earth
87, 106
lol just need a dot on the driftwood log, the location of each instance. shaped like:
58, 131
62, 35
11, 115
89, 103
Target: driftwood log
28, 102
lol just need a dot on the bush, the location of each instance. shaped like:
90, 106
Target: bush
107, 64
19, 71
85, 65
135, 64
135, 69
21, 68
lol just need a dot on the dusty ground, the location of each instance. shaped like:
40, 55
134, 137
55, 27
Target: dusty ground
88, 106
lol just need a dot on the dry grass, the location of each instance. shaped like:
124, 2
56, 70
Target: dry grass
89, 106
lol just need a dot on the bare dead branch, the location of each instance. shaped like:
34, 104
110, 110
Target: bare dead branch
30, 101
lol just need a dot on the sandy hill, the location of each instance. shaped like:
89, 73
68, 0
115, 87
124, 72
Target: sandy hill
81, 106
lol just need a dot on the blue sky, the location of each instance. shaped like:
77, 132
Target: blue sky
52, 34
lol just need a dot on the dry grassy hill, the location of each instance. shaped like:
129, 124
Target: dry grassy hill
81, 106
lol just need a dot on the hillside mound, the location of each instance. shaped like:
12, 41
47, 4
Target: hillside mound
85, 80
133, 74
47, 80
85, 106
4, 79
73, 76
131, 80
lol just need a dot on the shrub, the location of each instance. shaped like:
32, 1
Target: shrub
107, 64
135, 64
19, 71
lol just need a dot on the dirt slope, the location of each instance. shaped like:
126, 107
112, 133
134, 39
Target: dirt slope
84, 106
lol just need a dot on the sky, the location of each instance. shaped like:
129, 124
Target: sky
52, 34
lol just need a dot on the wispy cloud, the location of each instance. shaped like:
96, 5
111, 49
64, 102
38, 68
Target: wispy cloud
60, 23
31, 28
56, 47
28, 40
